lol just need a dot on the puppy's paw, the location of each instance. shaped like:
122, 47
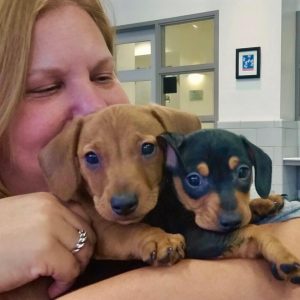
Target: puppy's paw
258, 240
161, 248
266, 207
278, 203
287, 271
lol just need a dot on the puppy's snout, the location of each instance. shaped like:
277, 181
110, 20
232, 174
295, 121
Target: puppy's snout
124, 204
230, 221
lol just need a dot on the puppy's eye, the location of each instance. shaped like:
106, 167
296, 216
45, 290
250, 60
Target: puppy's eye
148, 149
196, 185
92, 159
243, 172
193, 179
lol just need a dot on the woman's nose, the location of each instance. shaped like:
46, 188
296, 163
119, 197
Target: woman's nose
86, 100
88, 105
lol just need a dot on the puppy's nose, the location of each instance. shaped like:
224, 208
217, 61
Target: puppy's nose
230, 221
124, 204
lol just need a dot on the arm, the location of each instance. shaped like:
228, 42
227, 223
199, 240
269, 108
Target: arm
198, 279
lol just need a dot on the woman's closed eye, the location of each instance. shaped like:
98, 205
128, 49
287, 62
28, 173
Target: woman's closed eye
43, 91
103, 78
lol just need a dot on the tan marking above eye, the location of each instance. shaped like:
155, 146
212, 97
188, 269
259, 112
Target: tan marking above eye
203, 169
233, 162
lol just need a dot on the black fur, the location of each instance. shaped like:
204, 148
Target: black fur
214, 147
170, 215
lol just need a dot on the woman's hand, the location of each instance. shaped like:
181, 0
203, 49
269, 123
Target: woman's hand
37, 236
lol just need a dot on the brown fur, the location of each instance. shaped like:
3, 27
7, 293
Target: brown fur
203, 169
258, 241
207, 209
233, 162
116, 133
264, 207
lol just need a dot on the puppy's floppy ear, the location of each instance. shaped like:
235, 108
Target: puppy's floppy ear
58, 161
170, 142
175, 120
263, 168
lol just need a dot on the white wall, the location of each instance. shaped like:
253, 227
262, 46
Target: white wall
243, 23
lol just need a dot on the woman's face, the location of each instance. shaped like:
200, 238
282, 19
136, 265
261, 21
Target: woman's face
71, 73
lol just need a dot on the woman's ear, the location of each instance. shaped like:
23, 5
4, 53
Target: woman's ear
58, 160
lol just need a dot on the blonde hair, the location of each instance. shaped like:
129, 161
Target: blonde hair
17, 19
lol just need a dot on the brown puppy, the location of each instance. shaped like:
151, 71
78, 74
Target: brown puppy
110, 162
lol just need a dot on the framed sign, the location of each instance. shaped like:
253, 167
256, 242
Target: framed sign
247, 63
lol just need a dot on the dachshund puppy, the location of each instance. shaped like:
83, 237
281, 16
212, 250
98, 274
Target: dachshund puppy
212, 174
109, 161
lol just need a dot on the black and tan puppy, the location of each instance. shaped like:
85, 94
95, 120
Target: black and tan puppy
212, 176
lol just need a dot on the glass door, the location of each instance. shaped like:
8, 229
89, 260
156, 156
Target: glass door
135, 64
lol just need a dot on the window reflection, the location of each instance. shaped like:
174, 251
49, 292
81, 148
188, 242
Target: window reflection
193, 93
138, 92
189, 43
132, 56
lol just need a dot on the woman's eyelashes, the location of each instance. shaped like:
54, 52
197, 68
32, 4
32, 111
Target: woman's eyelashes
39, 90
44, 90
103, 78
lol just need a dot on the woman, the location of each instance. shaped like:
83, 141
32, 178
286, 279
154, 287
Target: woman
56, 63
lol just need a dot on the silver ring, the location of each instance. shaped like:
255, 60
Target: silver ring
81, 241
